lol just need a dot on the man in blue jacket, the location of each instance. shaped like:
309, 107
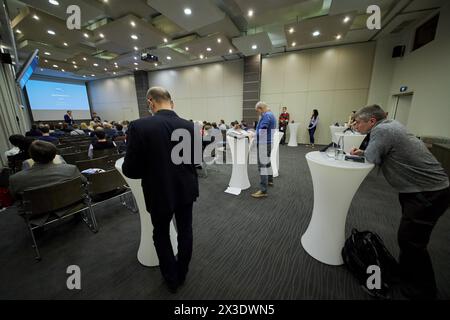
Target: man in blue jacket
264, 135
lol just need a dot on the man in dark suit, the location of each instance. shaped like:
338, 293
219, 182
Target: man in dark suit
68, 118
170, 187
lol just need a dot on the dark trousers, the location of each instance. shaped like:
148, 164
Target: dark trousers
264, 165
173, 269
311, 135
420, 213
283, 130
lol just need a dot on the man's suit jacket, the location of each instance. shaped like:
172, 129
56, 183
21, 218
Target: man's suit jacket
165, 184
40, 175
68, 120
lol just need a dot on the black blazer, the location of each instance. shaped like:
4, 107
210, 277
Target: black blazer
148, 157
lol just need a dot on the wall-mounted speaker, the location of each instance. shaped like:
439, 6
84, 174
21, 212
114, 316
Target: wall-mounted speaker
399, 51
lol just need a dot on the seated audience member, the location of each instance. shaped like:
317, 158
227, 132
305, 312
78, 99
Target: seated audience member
119, 130
109, 131
424, 193
34, 132
15, 141
58, 133
101, 144
44, 171
23, 143
27, 164
85, 128
47, 137
77, 131
66, 129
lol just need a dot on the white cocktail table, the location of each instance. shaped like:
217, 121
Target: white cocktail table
350, 140
147, 253
335, 183
293, 129
334, 130
239, 148
275, 154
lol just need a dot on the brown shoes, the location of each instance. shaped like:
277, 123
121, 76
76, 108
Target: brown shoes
259, 194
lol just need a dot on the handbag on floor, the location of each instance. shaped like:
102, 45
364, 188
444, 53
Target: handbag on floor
365, 249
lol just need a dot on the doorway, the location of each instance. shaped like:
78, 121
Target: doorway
402, 107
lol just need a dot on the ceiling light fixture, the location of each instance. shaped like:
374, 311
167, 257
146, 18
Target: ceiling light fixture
346, 19
294, 44
134, 37
35, 17
136, 49
133, 24
51, 32
165, 40
316, 33
136, 69
208, 49
338, 37
135, 58
42, 69
84, 76
254, 47
47, 53
73, 62
92, 75
114, 73
219, 40
102, 35
187, 11
55, 66
250, 13
291, 30
76, 67
54, 2
18, 31
169, 58
86, 35
202, 56
187, 48
230, 51
46, 61
63, 70
136, 64
156, 64
65, 44
95, 64
85, 59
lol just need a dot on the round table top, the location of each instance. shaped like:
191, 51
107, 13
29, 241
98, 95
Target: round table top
356, 134
323, 159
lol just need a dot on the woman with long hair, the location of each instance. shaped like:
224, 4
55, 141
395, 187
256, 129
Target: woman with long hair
313, 126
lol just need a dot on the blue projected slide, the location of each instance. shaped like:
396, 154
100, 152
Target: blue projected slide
46, 95
50, 100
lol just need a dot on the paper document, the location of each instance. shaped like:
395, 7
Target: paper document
233, 191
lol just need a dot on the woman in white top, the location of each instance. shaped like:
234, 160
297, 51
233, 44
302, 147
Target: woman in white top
313, 126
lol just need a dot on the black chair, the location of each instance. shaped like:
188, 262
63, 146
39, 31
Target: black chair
69, 150
104, 152
72, 158
110, 185
112, 159
46, 205
98, 163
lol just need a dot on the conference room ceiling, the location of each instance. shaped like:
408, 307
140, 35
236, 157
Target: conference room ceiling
115, 32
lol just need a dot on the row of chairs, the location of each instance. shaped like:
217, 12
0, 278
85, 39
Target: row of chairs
41, 207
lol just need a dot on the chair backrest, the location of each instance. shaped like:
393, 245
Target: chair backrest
53, 197
72, 158
112, 159
98, 163
105, 182
104, 152
67, 150
120, 138
82, 147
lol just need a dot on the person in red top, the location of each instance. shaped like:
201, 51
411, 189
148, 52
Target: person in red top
283, 122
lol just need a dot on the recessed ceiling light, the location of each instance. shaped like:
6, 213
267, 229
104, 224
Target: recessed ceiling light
208, 49
346, 19
165, 40
136, 69
85, 59
47, 53
156, 64
134, 37
294, 44
291, 30
106, 69
102, 35
42, 69
35, 17
254, 47
114, 73
95, 64
135, 58
133, 24
250, 13
54, 2
219, 40
55, 66
338, 37
136, 49
316, 33
73, 62
18, 31
51, 32
105, 1
230, 51
75, 67
202, 56
187, 48
65, 44
92, 75
84, 76
46, 61
136, 64
63, 70
86, 35
187, 11
116, 66
169, 58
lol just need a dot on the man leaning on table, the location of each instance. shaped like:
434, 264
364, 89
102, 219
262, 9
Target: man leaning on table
423, 188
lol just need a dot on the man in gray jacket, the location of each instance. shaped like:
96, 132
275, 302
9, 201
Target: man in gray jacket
423, 188
43, 172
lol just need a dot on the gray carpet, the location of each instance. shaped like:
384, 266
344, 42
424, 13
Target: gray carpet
243, 248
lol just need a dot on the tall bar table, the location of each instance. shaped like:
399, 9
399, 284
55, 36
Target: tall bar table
146, 253
239, 148
275, 154
293, 129
335, 183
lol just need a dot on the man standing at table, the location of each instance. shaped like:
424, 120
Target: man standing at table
283, 123
264, 137
423, 188
170, 188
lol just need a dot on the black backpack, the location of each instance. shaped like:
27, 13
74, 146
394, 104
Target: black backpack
364, 249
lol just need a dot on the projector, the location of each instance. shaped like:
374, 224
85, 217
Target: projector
149, 57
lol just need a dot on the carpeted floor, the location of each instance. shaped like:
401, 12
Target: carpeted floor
243, 248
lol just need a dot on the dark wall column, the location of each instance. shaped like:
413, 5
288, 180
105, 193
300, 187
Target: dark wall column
252, 87
141, 83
